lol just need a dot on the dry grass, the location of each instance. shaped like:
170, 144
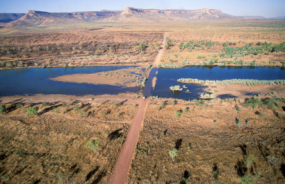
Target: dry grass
208, 139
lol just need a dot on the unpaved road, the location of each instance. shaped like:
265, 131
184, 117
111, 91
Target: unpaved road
124, 160
157, 59
123, 163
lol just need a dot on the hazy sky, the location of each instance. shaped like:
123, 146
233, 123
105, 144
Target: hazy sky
267, 8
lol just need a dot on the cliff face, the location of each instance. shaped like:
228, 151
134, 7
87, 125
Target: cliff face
33, 18
154, 15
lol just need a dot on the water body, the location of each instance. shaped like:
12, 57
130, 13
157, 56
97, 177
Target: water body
168, 77
36, 81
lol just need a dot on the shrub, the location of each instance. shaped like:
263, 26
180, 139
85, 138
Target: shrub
238, 108
93, 145
64, 104
148, 67
76, 108
33, 111
178, 114
18, 106
199, 57
216, 60
57, 111
261, 115
162, 105
249, 160
174, 102
186, 110
246, 180
82, 113
239, 123
173, 154
2, 108
281, 115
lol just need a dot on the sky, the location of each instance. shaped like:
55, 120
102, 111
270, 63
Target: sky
266, 8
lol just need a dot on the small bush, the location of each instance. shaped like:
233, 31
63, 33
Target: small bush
18, 106
93, 145
186, 110
238, 108
178, 114
249, 160
64, 104
173, 154
33, 111
2, 108
281, 115
76, 108
174, 102
261, 115
239, 123
246, 180
57, 111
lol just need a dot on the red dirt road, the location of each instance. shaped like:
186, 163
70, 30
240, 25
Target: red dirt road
124, 160
123, 163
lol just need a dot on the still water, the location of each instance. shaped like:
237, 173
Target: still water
36, 81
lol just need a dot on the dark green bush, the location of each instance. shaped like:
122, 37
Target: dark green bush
2, 108
33, 111
178, 114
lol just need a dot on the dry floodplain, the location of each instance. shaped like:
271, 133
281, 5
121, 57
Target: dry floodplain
77, 139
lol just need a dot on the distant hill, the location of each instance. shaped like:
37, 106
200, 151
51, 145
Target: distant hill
33, 18
252, 17
154, 15
282, 17
8, 17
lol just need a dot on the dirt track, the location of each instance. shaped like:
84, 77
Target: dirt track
157, 59
124, 160
123, 163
